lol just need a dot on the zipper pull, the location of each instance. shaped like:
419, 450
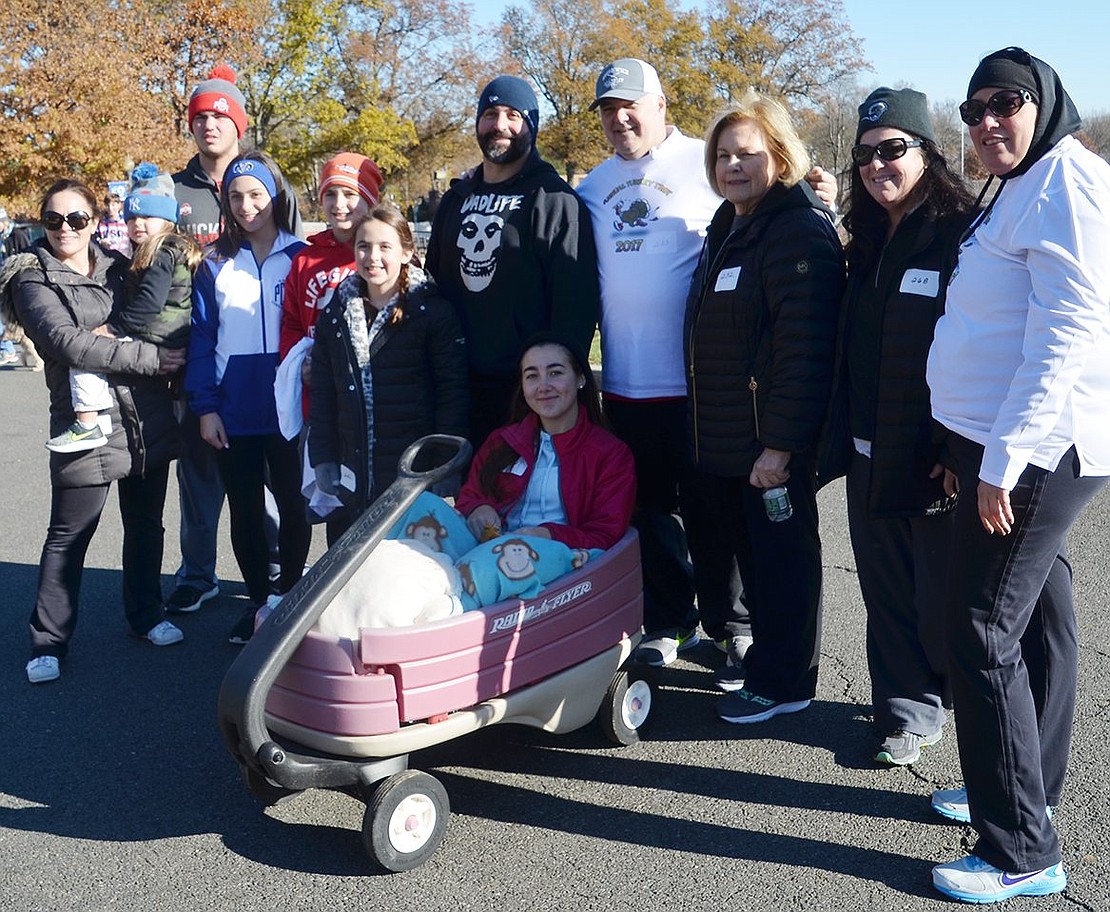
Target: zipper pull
752, 385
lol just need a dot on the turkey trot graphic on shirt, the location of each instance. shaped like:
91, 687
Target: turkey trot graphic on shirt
479, 239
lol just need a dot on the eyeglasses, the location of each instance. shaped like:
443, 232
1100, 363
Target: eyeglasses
52, 221
1005, 103
888, 150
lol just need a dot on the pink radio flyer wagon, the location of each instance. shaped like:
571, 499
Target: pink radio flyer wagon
301, 710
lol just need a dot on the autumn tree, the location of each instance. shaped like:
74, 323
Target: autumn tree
672, 39
562, 45
63, 111
786, 48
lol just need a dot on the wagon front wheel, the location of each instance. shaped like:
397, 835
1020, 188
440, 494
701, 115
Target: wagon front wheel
405, 820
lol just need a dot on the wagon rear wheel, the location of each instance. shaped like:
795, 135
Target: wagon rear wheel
626, 709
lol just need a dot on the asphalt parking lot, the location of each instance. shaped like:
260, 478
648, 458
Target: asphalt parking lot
116, 791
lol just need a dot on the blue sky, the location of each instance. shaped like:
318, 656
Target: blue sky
934, 45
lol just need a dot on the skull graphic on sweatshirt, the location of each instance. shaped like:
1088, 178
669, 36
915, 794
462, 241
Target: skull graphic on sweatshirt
479, 245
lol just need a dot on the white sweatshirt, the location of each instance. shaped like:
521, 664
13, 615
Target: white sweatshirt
649, 218
1020, 361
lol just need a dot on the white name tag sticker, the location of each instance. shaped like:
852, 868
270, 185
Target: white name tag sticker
518, 468
347, 478
660, 242
924, 282
727, 279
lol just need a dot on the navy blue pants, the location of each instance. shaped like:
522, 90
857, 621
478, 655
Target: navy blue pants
244, 466
1013, 656
655, 432
780, 564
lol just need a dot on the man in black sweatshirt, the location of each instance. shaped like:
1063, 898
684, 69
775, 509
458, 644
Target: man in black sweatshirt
512, 248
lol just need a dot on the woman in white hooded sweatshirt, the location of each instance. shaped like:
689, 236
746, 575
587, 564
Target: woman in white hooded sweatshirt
1019, 375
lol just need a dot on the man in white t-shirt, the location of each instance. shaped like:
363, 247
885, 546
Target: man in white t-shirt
650, 204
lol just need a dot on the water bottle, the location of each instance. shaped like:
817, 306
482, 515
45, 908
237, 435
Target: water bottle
776, 501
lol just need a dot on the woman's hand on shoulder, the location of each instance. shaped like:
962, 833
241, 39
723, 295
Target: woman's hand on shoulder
770, 469
212, 431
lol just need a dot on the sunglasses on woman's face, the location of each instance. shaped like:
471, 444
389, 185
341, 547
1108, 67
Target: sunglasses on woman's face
1005, 103
888, 150
52, 221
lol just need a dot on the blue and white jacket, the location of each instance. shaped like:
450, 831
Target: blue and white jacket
233, 343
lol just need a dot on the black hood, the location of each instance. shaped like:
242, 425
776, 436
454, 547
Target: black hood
1057, 116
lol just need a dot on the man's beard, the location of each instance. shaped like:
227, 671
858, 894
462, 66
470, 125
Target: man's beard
519, 146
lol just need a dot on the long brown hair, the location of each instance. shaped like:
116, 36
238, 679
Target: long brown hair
589, 400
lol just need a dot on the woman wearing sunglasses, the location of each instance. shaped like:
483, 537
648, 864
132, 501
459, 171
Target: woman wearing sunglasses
61, 291
1019, 373
905, 214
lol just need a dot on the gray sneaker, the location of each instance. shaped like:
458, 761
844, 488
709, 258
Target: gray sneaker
903, 748
77, 438
663, 646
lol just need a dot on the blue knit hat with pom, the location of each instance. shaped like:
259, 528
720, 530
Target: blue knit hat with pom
151, 194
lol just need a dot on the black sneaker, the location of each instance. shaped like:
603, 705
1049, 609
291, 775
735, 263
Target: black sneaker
743, 706
244, 629
187, 599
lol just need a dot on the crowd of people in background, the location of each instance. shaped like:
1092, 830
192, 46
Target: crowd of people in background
950, 360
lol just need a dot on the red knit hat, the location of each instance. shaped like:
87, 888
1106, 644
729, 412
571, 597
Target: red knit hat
354, 171
218, 93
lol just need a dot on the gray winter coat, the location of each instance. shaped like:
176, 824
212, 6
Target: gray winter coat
57, 307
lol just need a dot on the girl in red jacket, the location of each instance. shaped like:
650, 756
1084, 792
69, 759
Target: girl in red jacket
556, 472
350, 185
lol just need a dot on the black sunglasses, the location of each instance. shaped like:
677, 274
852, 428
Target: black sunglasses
888, 150
52, 221
1005, 103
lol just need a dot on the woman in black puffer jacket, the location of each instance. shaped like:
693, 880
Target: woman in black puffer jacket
61, 291
388, 367
760, 335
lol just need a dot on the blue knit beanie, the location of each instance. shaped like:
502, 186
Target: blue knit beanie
151, 194
515, 93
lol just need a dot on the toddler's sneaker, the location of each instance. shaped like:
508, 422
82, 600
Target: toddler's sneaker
42, 669
164, 634
77, 438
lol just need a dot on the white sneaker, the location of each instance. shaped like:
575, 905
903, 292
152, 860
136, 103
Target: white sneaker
164, 634
42, 669
974, 880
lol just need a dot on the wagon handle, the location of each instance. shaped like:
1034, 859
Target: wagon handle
246, 685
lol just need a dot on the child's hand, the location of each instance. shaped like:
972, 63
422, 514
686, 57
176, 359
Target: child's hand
484, 523
103, 330
212, 431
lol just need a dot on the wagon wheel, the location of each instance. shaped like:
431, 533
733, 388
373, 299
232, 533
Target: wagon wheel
627, 706
405, 820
